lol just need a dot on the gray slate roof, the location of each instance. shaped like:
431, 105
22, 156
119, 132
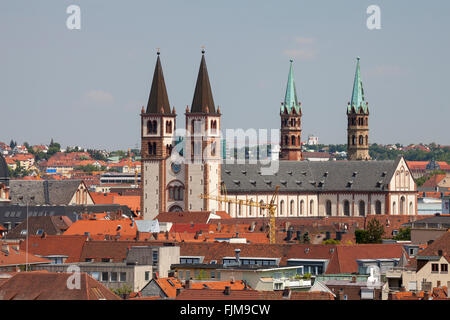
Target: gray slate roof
45, 192
311, 176
18, 213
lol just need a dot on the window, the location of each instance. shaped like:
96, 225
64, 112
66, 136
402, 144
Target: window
39, 232
155, 257
311, 207
105, 276
123, 276
346, 208
302, 207
362, 208
281, 207
95, 275
180, 274
378, 207
147, 275
213, 274
434, 267
106, 259
444, 267
328, 207
291, 207
89, 260
113, 276
23, 232
402, 205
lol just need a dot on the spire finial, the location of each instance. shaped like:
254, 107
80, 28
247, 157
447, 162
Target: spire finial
358, 58
291, 60
203, 49
157, 51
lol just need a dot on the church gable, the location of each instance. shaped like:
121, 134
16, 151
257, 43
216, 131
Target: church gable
402, 179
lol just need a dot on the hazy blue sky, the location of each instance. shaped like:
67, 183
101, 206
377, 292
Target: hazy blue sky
86, 87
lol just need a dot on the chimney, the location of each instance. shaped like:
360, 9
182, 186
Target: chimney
227, 290
440, 252
187, 284
237, 251
178, 291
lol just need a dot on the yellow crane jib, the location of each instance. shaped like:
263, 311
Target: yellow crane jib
271, 206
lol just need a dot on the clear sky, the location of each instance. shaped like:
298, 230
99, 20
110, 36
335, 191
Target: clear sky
86, 87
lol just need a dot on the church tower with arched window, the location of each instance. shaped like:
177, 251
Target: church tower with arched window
290, 113
203, 145
358, 122
157, 133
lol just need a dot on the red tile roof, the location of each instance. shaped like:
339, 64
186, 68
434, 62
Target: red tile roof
70, 246
125, 229
218, 294
12, 255
53, 286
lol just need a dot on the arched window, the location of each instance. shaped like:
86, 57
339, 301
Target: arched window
281, 207
367, 140
150, 148
291, 207
347, 208
168, 126
394, 208
402, 205
171, 190
378, 207
410, 208
311, 207
149, 127
154, 126
293, 140
362, 208
328, 207
302, 207
361, 140
261, 210
353, 140
286, 140
240, 208
154, 148
250, 208
229, 208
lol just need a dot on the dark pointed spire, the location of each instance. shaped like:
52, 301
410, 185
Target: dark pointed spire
158, 99
203, 101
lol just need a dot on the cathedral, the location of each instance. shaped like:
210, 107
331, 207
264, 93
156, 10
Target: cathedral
357, 187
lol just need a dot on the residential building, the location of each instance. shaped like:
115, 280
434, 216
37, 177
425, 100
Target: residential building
428, 270
49, 225
111, 275
53, 286
49, 192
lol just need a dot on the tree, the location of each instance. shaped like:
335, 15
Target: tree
373, 233
404, 234
123, 291
331, 241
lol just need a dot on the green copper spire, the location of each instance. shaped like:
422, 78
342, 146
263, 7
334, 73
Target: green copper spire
358, 91
290, 99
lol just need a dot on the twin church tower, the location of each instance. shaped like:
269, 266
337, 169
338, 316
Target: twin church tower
169, 185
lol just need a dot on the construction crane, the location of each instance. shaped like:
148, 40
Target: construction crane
271, 207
